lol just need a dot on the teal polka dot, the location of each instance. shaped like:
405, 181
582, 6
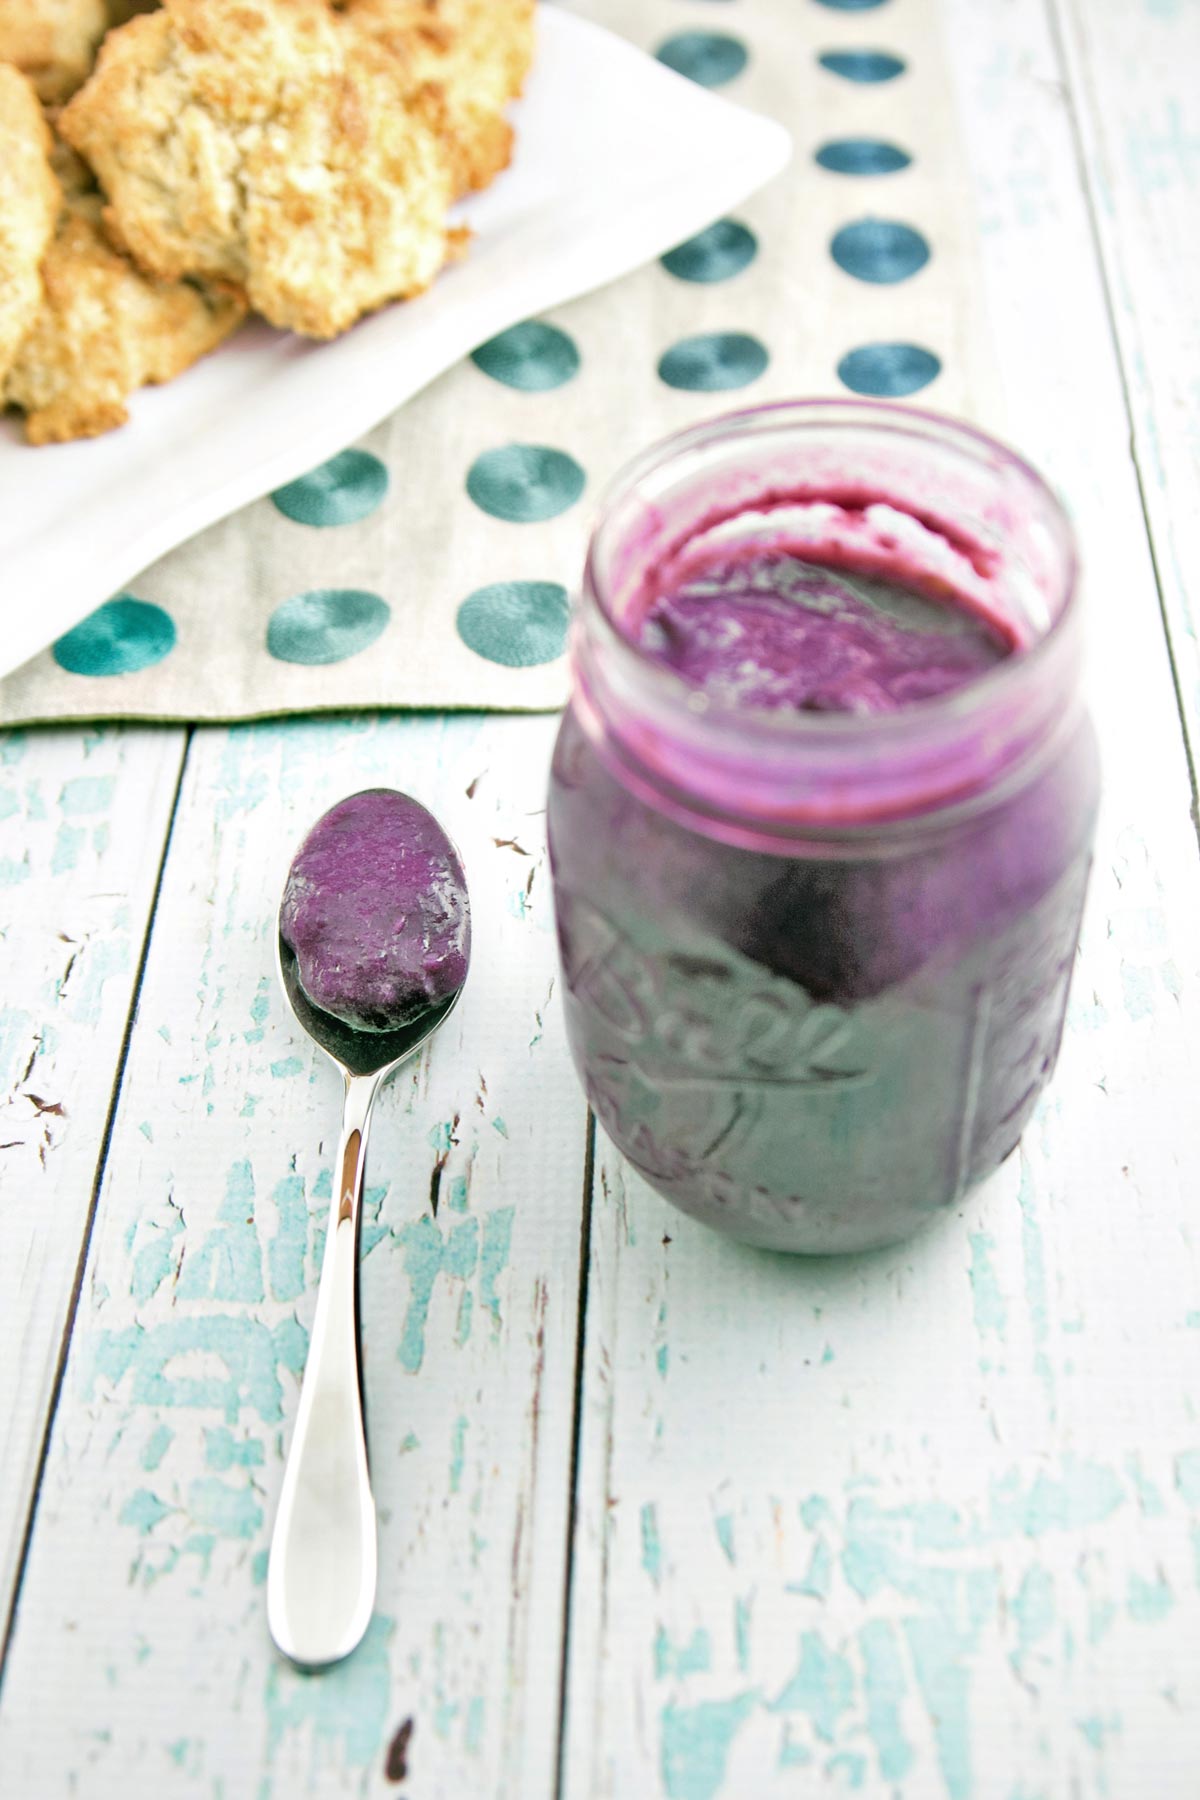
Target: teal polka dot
862, 65
533, 357
888, 371
717, 360
525, 483
326, 625
724, 249
343, 490
879, 250
517, 623
119, 638
707, 57
862, 156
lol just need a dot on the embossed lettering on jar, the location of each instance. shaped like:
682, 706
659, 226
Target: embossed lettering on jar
821, 814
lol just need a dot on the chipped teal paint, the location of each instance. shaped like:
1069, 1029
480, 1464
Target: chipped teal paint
1149, 1601
286, 1067
1187, 1477
345, 1707
259, 1563
427, 1254
260, 1006
741, 1631
662, 1357
156, 1447
9, 803
143, 1510
723, 1526
1087, 1494
651, 1545
473, 1725
441, 1137
696, 1741
849, 1764
1034, 1254
815, 1581
86, 794
156, 1259
991, 1314
251, 1353
457, 1194
1033, 1610
1096, 1728
13, 872
884, 1689
938, 1651
1150, 1501
233, 1512
822, 1687
223, 1451
68, 842
287, 1250
493, 1257
499, 1125
466, 1313
458, 1439
691, 1658
814, 1511
228, 1265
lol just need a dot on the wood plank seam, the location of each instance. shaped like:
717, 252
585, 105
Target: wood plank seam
93, 1202
585, 1236
1072, 100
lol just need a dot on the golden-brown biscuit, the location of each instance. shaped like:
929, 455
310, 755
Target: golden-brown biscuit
54, 42
28, 208
463, 60
103, 328
265, 143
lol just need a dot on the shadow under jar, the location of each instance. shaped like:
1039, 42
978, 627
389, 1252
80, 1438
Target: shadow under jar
821, 815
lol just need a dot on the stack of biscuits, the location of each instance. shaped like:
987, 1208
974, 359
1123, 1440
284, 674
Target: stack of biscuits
165, 173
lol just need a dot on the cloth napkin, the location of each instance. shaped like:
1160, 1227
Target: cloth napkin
431, 562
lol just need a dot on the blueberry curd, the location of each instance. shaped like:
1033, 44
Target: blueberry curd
375, 912
820, 817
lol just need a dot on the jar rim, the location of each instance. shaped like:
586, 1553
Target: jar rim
780, 725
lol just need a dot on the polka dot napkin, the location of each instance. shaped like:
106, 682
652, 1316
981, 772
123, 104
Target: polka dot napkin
432, 563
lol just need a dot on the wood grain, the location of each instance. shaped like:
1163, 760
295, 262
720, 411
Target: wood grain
83, 818
143, 1600
926, 1523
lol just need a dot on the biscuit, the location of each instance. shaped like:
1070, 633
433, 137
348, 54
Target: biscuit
265, 144
54, 42
104, 329
28, 208
463, 61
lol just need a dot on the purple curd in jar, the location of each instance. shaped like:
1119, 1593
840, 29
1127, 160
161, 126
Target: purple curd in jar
820, 818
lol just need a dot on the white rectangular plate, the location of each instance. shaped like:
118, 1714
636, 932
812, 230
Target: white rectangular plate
617, 160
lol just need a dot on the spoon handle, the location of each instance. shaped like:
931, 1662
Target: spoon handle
321, 1579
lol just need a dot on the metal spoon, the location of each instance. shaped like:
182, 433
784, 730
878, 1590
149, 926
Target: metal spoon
322, 1572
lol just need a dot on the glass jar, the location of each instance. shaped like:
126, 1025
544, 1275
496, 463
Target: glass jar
816, 964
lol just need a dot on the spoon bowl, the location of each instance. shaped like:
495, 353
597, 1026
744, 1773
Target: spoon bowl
398, 903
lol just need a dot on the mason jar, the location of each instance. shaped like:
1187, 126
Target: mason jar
816, 963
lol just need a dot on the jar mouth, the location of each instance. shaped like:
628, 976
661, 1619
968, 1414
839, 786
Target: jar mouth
794, 727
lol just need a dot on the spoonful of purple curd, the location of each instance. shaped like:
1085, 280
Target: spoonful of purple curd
373, 946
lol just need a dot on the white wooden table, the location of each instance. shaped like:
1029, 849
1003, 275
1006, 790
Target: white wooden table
659, 1516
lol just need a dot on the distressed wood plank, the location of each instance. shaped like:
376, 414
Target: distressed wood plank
927, 1523
143, 1598
1132, 67
83, 818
